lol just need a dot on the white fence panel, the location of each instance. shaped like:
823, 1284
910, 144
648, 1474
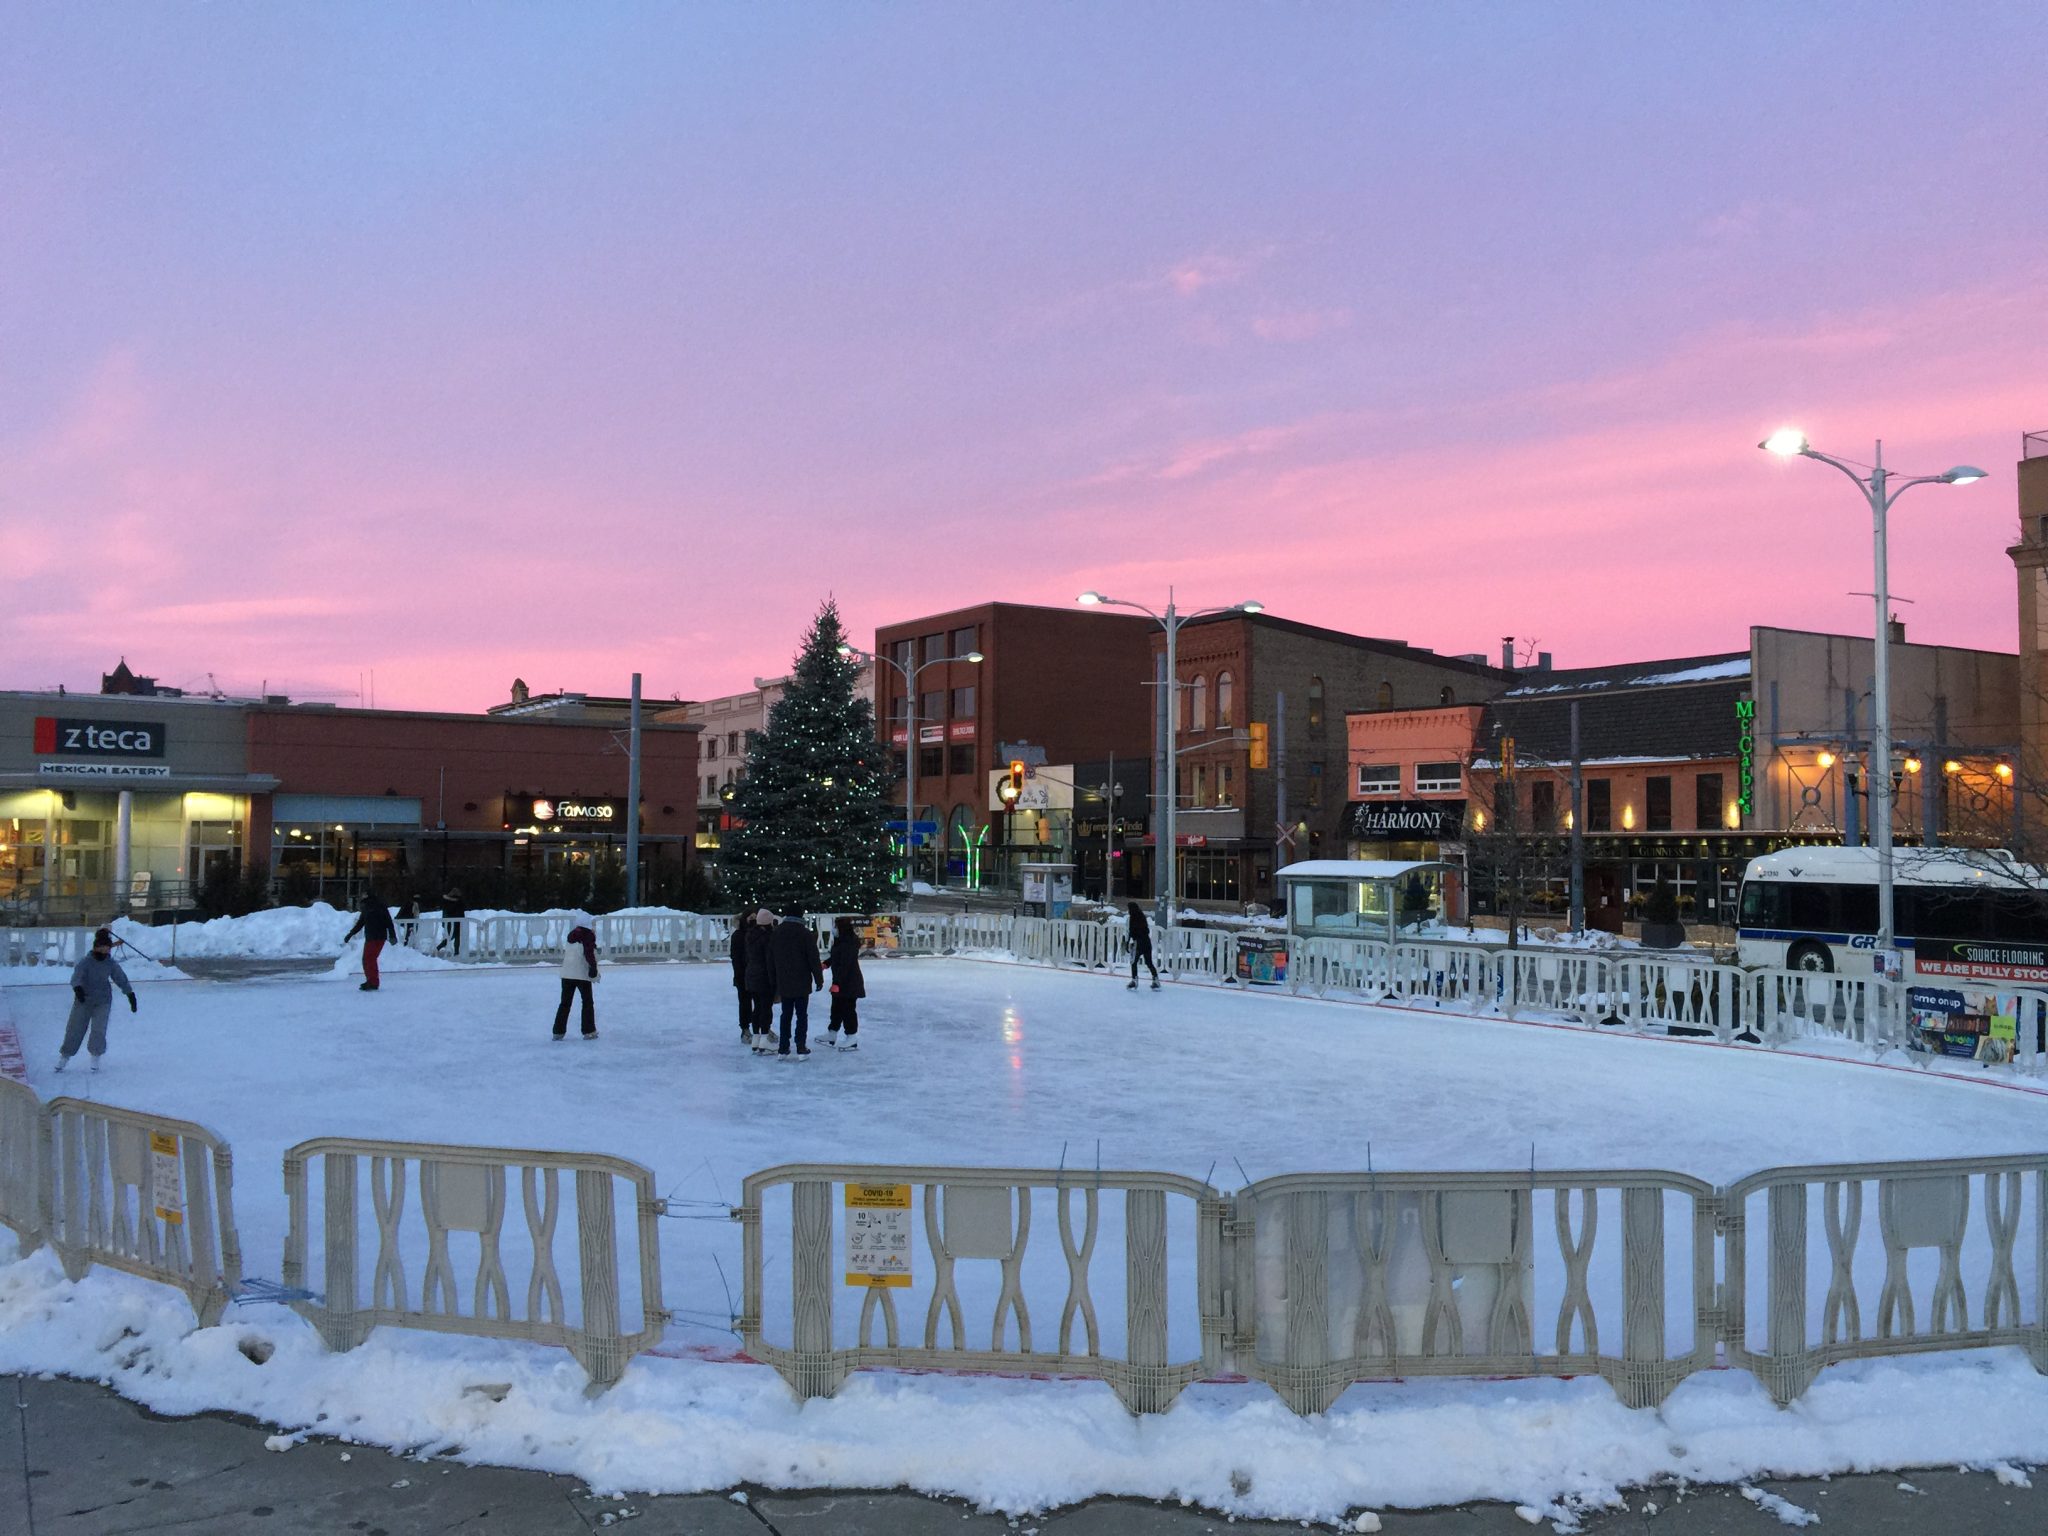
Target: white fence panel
24, 1164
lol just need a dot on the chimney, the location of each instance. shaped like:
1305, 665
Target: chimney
1507, 653
1543, 661
1896, 628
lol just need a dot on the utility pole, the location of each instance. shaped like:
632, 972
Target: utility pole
1284, 833
633, 799
1578, 831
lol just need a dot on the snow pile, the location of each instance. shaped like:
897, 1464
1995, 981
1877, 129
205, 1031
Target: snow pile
1561, 1448
282, 933
139, 969
393, 957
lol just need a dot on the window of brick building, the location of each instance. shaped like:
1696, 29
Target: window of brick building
1379, 778
1226, 701
1315, 703
1657, 803
1198, 703
1599, 805
1706, 802
960, 759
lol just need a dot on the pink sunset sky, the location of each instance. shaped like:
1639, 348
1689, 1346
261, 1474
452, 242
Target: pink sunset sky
459, 343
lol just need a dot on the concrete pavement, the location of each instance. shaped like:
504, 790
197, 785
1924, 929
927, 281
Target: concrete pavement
75, 1460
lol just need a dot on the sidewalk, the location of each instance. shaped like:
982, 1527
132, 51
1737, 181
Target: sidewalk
75, 1460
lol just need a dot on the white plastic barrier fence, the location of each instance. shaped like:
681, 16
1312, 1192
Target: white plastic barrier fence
1860, 1260
957, 1245
422, 1195
24, 1164
145, 1194
44, 946
1358, 1277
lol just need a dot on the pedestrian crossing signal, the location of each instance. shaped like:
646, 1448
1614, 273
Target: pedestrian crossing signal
1258, 744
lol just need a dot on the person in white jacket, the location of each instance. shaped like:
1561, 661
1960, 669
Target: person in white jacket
579, 975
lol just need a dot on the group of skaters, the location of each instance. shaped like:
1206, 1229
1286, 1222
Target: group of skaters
775, 960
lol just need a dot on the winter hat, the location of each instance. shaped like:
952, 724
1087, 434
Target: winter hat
765, 918
103, 938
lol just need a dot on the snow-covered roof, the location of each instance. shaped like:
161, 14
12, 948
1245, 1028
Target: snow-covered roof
1357, 869
1717, 672
1910, 866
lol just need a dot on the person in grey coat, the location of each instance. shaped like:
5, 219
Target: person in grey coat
93, 981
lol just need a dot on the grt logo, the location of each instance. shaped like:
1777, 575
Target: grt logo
98, 738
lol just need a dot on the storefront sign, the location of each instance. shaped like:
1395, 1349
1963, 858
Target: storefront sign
1745, 756
547, 811
900, 735
99, 738
961, 730
927, 734
2023, 964
1427, 821
877, 1235
63, 770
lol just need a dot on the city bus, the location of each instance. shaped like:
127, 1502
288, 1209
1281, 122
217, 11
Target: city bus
1962, 913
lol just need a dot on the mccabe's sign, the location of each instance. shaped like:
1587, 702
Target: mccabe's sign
1440, 821
98, 738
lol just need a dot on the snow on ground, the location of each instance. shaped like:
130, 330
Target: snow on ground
995, 1065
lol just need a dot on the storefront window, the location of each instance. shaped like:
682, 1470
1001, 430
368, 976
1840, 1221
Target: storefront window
1208, 875
1706, 802
1226, 701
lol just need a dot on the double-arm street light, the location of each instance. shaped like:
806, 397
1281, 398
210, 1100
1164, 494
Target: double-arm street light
1166, 892
911, 718
1880, 490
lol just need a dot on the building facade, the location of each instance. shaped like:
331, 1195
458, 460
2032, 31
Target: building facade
2030, 562
1237, 823
130, 802
1068, 684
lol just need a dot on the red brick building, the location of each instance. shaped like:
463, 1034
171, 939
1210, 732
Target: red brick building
1070, 680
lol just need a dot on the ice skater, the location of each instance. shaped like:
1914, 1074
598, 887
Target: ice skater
452, 911
93, 981
847, 986
758, 996
375, 925
793, 953
1141, 949
737, 950
579, 976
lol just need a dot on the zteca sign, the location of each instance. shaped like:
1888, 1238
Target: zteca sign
100, 749
98, 738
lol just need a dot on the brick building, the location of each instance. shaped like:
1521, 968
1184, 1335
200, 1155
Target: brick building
1069, 680
1238, 668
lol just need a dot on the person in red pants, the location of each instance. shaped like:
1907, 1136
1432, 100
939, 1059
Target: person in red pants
375, 925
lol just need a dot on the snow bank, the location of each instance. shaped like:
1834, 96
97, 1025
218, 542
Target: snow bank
282, 933
393, 957
678, 1425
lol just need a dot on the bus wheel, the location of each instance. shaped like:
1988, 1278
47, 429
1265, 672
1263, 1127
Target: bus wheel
1810, 957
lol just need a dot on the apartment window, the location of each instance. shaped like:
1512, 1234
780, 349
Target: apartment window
1386, 694
1379, 778
711, 787
1226, 785
1198, 703
931, 707
905, 652
1438, 778
966, 639
732, 743
1599, 805
1446, 695
1226, 701
1706, 802
1315, 785
1657, 803
960, 759
751, 738
1315, 703
934, 647
963, 703
1543, 805
711, 749
896, 766
931, 762
1201, 780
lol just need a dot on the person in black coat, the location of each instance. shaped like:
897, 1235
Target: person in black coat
1141, 948
737, 950
759, 978
375, 925
793, 955
452, 913
848, 988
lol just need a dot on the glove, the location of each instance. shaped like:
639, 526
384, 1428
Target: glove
835, 989
131, 1002
79, 993
820, 986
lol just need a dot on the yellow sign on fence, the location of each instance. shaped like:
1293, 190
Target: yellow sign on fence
166, 1192
877, 1235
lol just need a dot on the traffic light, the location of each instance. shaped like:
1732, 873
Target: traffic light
1012, 788
1258, 744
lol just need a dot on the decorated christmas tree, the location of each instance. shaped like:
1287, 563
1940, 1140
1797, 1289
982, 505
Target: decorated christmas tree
812, 810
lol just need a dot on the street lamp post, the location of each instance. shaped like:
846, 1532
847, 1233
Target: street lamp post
910, 675
1170, 621
1880, 491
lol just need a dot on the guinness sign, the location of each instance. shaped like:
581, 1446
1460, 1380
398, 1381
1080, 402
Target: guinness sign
1407, 821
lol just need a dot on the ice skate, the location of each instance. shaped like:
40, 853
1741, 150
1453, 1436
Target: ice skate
95, 1065
1155, 983
1131, 985
63, 1062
